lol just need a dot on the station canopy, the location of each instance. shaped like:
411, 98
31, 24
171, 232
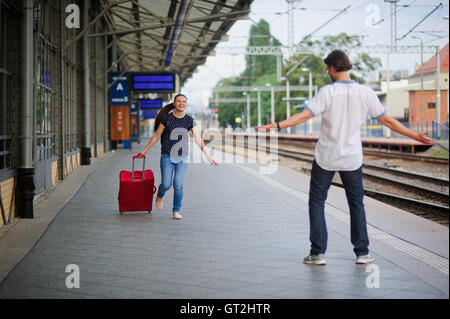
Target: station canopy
169, 35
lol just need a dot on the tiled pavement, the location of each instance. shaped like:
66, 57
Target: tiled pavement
237, 239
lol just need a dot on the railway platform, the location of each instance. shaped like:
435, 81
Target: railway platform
388, 144
243, 235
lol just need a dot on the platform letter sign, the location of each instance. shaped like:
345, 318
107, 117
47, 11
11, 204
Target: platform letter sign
119, 89
120, 108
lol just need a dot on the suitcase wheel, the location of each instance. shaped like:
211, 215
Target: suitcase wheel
149, 211
121, 213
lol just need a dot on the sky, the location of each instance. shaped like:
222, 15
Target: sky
309, 15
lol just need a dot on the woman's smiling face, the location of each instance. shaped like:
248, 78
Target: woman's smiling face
180, 103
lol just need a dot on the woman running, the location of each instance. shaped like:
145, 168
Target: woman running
173, 128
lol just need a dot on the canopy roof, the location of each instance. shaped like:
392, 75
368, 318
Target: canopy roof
169, 35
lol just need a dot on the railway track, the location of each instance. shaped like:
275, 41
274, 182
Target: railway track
372, 172
383, 154
373, 152
436, 210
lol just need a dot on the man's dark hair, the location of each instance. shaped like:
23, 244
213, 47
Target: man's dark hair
339, 60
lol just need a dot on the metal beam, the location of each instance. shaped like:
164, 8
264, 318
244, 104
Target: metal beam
218, 4
163, 25
235, 100
373, 49
114, 64
259, 88
88, 26
339, 13
437, 7
261, 50
153, 37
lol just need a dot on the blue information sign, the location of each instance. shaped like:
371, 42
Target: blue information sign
153, 82
149, 113
119, 90
151, 104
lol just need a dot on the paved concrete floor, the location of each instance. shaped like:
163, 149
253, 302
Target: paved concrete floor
237, 239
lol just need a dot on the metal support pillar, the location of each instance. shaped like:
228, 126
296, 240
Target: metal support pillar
272, 107
25, 172
422, 117
288, 104
279, 63
291, 27
248, 112
438, 92
259, 108
388, 95
86, 153
310, 123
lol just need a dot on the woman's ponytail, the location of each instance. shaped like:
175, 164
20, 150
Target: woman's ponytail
165, 110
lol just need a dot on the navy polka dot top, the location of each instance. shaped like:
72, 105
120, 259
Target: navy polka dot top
176, 134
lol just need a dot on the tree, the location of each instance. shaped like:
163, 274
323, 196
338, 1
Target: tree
262, 69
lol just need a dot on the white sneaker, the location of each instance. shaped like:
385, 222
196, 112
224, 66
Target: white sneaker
365, 259
315, 260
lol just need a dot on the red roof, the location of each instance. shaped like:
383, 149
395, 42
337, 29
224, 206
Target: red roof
430, 65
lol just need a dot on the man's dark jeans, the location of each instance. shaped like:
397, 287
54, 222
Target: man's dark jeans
318, 190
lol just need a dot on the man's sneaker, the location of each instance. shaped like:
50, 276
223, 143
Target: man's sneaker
315, 260
364, 259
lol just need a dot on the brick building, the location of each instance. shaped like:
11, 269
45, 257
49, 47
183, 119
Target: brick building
429, 94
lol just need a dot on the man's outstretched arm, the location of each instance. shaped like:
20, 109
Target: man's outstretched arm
398, 127
294, 120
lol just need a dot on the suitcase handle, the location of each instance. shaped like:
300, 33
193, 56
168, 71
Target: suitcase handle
154, 189
143, 168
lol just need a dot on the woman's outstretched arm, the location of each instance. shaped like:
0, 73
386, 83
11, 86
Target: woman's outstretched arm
202, 146
153, 140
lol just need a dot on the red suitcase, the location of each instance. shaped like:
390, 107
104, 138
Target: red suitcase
136, 190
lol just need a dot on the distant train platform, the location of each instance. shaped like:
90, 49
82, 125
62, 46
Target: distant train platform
389, 144
244, 234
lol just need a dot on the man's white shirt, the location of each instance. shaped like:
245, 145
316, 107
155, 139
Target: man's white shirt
344, 106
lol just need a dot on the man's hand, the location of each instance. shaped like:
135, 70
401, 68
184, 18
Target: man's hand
267, 127
421, 137
398, 127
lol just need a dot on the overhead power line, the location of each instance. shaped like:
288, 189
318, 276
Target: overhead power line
437, 7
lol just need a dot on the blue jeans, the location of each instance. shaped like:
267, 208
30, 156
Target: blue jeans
318, 190
173, 169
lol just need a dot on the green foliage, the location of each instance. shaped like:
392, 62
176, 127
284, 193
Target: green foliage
261, 70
